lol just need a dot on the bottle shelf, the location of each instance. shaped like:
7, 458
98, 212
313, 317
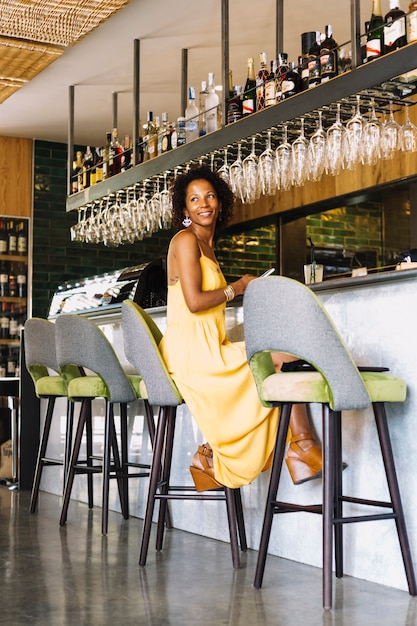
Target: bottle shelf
367, 76
10, 342
14, 258
14, 300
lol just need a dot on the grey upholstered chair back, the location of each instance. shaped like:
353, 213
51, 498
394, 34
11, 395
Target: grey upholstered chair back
281, 314
40, 344
80, 342
141, 338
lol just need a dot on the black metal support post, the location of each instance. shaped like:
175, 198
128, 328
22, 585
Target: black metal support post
184, 79
114, 109
279, 33
355, 32
225, 56
70, 138
136, 98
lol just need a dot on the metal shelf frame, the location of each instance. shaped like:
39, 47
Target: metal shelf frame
367, 76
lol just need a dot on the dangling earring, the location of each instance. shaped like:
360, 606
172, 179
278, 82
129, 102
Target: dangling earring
186, 221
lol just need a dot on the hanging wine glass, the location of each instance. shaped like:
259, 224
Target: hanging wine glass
317, 152
354, 138
408, 134
267, 170
390, 136
237, 176
335, 145
371, 148
251, 177
283, 162
300, 158
224, 170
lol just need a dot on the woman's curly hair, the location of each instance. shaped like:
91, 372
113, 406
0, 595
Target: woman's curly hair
222, 189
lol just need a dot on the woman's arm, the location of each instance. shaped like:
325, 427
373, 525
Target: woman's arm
184, 265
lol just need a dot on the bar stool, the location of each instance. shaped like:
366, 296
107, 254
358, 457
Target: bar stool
80, 342
141, 339
40, 357
281, 314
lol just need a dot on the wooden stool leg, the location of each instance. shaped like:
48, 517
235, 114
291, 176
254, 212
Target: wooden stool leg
388, 458
272, 492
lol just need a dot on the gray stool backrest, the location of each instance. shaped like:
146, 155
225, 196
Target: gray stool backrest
141, 338
80, 342
40, 344
283, 315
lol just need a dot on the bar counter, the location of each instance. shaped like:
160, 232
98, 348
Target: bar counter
376, 316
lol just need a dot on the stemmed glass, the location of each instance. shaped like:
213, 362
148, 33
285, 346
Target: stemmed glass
335, 145
317, 151
390, 136
408, 134
354, 138
250, 171
267, 170
283, 162
237, 179
300, 158
166, 204
371, 148
224, 170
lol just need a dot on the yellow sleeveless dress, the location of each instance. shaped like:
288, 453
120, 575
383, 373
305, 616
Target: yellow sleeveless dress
215, 380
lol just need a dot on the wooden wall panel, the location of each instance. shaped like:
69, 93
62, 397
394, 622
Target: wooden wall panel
16, 176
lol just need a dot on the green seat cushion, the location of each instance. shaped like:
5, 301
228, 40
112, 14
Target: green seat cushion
95, 387
300, 387
50, 386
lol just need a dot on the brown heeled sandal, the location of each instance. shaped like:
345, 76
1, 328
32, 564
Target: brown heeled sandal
304, 465
204, 478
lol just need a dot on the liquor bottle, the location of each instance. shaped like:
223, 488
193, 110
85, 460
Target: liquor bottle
106, 157
13, 322
307, 40
87, 167
127, 154
11, 363
11, 238
329, 57
178, 136
249, 94
395, 35
212, 105
3, 364
234, 109
270, 85
260, 82
291, 84
280, 74
21, 280
115, 156
150, 139
363, 46
165, 134
4, 279
191, 117
4, 321
98, 162
22, 238
375, 38
412, 22
3, 238
202, 97
77, 172
12, 281
314, 67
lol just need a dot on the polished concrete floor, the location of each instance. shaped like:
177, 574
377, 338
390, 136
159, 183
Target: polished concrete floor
72, 576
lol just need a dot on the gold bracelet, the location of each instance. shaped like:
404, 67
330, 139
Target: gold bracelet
229, 292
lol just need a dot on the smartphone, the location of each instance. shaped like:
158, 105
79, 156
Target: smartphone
268, 272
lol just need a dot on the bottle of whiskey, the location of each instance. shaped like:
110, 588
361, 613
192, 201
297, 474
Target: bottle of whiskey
314, 68
260, 82
87, 168
270, 85
412, 22
234, 109
395, 28
249, 94
291, 84
280, 74
116, 150
329, 57
106, 157
375, 38
150, 139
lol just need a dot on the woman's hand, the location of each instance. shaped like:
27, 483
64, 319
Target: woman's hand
240, 285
